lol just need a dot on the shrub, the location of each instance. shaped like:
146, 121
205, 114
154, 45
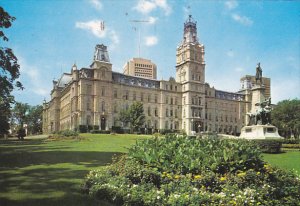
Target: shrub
191, 171
117, 129
96, 127
100, 131
269, 146
82, 128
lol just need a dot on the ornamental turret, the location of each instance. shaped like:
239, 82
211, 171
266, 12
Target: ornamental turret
101, 53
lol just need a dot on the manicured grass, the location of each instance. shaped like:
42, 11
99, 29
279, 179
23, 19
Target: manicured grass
288, 160
42, 172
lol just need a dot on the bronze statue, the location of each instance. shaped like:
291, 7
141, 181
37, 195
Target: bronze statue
262, 116
258, 75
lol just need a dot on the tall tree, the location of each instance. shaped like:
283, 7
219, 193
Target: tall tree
34, 119
23, 113
134, 115
286, 116
9, 73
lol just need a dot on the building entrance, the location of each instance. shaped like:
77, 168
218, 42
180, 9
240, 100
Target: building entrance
103, 123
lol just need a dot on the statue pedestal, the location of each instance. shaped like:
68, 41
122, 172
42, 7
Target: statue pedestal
260, 132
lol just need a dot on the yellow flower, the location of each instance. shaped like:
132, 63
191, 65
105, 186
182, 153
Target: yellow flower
223, 179
197, 177
258, 173
242, 174
232, 202
177, 176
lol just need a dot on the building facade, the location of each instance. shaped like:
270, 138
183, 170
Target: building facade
95, 95
140, 67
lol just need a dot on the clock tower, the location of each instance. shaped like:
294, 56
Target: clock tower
190, 72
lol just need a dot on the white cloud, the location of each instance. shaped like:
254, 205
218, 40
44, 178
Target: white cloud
152, 20
94, 26
232, 4
96, 3
242, 19
147, 6
164, 5
151, 40
35, 79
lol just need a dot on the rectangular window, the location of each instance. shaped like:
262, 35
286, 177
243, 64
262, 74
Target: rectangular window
155, 99
115, 94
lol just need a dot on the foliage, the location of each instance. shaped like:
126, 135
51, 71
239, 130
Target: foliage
133, 115
100, 131
86, 128
9, 73
23, 113
269, 145
189, 171
66, 133
124, 116
286, 116
291, 146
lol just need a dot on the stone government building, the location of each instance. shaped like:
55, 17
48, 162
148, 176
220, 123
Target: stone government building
95, 95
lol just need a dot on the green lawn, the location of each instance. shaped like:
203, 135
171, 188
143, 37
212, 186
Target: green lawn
288, 160
39, 172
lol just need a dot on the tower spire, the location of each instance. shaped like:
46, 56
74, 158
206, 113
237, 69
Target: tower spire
190, 31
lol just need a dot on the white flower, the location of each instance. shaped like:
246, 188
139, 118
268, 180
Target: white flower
158, 197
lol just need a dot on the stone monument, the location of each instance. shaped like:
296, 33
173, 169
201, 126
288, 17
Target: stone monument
259, 119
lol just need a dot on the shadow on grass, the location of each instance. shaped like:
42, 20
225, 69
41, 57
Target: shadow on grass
45, 182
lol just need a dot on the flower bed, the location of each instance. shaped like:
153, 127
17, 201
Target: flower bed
189, 171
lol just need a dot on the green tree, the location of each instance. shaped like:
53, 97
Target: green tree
9, 73
23, 113
134, 115
286, 116
20, 113
124, 116
34, 119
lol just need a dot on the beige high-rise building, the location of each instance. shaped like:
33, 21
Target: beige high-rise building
95, 95
140, 67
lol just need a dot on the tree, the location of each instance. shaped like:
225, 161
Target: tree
23, 113
134, 115
34, 119
124, 116
286, 116
9, 73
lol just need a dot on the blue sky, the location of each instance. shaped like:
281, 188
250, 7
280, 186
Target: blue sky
48, 37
